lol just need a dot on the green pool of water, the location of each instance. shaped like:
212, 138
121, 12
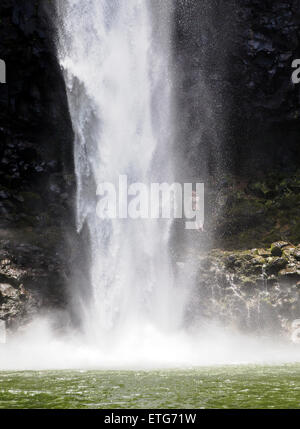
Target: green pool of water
210, 387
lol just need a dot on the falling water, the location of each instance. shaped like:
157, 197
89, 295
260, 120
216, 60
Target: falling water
116, 59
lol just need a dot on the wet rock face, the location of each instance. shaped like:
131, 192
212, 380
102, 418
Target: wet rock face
255, 213
268, 100
250, 290
238, 121
204, 54
32, 278
16, 305
270, 44
239, 110
35, 129
36, 166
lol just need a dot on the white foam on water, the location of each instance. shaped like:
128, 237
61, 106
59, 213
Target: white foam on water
38, 348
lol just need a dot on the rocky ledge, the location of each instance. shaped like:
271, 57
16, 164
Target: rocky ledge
254, 290
32, 276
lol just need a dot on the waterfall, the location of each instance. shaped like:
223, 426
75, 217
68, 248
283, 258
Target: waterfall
116, 60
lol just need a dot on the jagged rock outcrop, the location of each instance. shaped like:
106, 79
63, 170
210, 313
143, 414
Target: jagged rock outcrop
254, 291
32, 277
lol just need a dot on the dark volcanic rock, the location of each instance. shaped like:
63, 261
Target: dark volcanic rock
35, 128
238, 108
276, 248
32, 278
266, 111
249, 290
36, 163
238, 116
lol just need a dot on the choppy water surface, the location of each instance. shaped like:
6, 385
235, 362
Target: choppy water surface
214, 387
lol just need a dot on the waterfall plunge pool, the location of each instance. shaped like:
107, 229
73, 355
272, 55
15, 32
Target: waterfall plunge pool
232, 386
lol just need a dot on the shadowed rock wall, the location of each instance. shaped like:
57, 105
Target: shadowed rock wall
36, 162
